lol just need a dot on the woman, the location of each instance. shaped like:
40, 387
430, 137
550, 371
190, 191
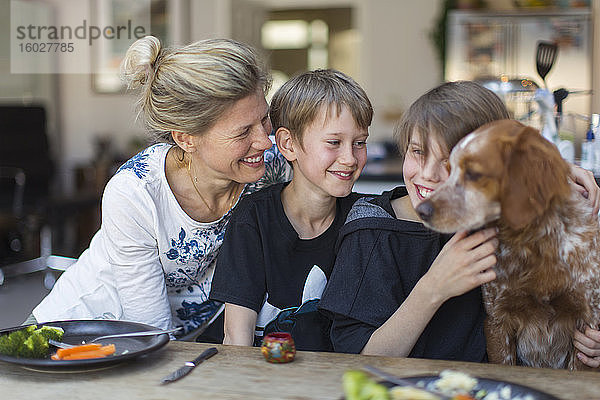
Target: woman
165, 211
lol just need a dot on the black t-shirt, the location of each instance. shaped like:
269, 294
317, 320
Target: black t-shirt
379, 261
264, 266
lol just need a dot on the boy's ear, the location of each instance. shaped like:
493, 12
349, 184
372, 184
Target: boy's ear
184, 140
285, 143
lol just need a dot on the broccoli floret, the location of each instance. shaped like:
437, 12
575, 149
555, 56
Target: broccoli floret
13, 343
5, 347
29, 342
353, 382
18, 338
51, 332
29, 329
358, 386
36, 346
374, 391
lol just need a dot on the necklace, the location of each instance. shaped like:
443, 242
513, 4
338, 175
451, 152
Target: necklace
194, 180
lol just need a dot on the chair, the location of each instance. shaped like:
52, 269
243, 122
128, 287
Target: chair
12, 185
24, 145
26, 170
26, 206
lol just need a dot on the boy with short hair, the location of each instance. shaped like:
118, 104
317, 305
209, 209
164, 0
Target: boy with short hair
277, 254
425, 285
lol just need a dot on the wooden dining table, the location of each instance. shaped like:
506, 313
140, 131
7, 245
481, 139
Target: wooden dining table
237, 372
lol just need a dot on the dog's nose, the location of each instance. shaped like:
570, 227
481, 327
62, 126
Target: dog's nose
425, 210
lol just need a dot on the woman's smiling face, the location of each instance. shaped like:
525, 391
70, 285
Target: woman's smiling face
424, 171
234, 147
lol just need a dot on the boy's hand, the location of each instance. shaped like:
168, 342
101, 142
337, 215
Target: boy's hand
464, 263
584, 182
588, 344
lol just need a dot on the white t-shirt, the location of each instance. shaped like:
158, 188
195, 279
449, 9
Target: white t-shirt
150, 262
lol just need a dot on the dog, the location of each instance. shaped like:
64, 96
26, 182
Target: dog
548, 259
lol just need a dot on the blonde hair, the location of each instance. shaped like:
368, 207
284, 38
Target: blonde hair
448, 113
297, 103
187, 89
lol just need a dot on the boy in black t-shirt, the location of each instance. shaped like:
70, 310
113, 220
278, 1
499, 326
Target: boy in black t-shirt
278, 251
398, 288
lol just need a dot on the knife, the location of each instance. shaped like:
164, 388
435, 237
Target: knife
189, 366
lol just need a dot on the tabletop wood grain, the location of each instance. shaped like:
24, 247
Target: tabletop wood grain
242, 373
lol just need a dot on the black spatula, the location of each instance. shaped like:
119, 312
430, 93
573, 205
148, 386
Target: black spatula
544, 59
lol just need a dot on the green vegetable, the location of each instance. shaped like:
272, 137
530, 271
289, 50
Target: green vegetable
51, 332
29, 342
358, 386
36, 346
374, 391
352, 382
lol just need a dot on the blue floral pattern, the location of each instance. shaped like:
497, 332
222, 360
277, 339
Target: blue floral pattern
194, 315
138, 164
277, 171
194, 254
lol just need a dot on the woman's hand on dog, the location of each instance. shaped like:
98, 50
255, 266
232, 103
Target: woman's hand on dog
584, 182
588, 344
464, 263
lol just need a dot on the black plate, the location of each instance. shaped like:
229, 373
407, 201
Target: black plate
77, 331
489, 385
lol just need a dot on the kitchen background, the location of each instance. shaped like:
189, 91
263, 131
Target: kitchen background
70, 131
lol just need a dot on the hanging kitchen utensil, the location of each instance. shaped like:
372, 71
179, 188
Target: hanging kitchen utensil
544, 58
560, 95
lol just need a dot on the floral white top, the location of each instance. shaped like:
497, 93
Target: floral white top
149, 262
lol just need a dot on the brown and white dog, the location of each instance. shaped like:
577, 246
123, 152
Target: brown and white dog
548, 259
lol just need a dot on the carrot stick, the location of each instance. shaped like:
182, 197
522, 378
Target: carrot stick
100, 353
462, 397
62, 353
85, 351
85, 355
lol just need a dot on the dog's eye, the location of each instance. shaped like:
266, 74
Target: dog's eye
472, 175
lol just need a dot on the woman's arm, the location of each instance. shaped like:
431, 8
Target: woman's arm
130, 243
464, 263
240, 323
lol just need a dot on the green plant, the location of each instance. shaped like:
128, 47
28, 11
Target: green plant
438, 34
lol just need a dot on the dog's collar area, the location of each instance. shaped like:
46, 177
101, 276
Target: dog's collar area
481, 228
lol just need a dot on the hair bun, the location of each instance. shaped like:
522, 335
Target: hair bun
138, 65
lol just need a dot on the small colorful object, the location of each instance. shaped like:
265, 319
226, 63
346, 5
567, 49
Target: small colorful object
278, 347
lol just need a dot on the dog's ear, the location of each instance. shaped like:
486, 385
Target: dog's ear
535, 173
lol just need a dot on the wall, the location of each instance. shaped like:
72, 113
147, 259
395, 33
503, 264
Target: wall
86, 115
27, 88
397, 64
398, 60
